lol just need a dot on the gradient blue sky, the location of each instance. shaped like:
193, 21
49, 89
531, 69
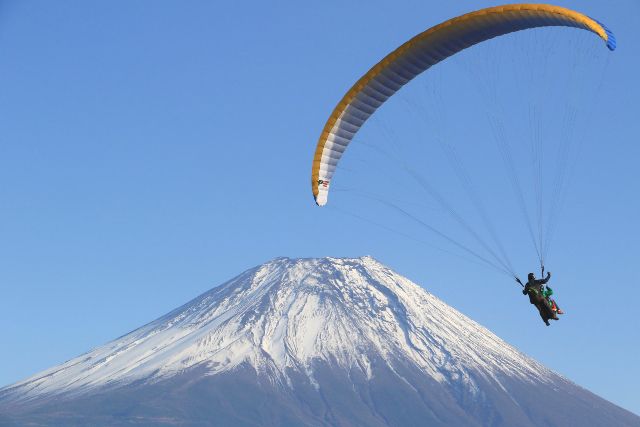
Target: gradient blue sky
152, 150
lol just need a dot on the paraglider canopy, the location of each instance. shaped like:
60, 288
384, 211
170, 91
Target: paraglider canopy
419, 54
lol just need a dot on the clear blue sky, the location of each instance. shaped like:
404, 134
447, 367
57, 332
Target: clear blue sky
152, 150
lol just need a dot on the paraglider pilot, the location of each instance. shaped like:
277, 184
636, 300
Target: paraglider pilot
538, 296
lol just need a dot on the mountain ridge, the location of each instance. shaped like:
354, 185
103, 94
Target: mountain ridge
304, 327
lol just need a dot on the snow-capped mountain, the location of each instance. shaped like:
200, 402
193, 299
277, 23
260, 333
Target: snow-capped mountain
308, 342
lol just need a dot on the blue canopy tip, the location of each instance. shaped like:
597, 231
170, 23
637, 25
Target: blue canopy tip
611, 38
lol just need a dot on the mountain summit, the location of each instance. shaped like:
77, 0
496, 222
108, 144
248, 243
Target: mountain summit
316, 342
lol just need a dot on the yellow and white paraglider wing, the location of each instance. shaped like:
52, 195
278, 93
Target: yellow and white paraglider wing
419, 54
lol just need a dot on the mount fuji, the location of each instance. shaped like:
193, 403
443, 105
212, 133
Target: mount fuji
307, 342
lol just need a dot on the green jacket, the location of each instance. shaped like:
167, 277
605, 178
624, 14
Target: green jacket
547, 292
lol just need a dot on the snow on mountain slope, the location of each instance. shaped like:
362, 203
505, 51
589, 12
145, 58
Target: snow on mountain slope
287, 314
